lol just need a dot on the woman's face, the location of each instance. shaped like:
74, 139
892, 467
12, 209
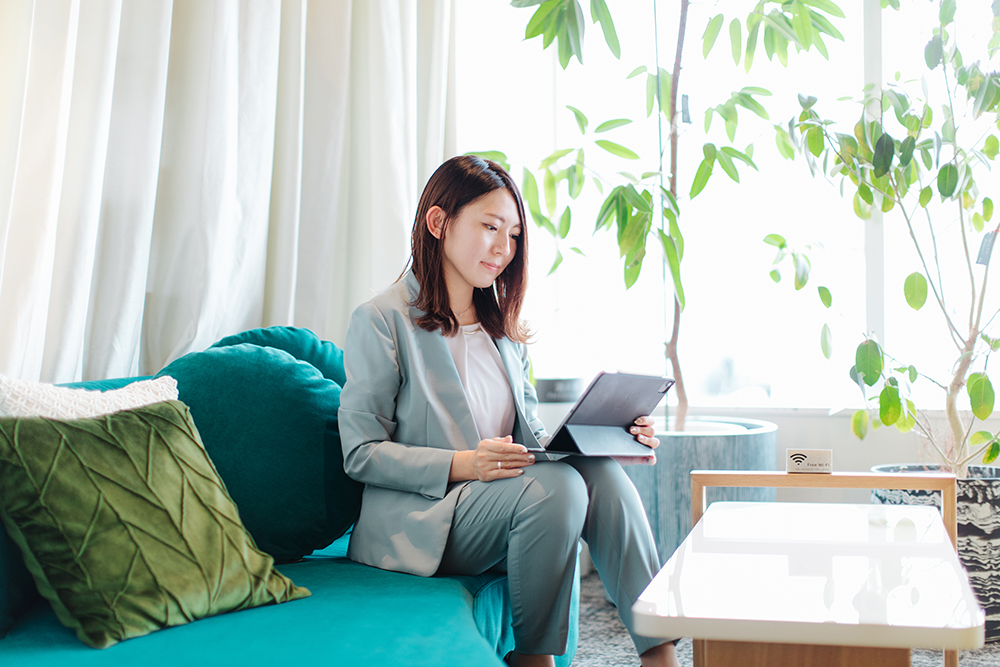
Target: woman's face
480, 241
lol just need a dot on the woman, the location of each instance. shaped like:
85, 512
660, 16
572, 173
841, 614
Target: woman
437, 412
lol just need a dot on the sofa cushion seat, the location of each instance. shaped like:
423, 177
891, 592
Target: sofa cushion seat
357, 615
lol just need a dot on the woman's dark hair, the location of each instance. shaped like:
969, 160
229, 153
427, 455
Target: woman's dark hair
456, 184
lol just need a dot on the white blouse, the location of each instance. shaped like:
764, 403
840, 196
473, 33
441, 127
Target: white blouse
485, 381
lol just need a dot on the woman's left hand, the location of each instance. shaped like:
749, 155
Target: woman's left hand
644, 433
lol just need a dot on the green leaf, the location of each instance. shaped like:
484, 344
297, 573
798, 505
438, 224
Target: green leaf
612, 124
884, 149
735, 39
865, 193
581, 120
709, 151
915, 290
925, 196
868, 362
987, 209
908, 419
641, 69
980, 438
673, 262
599, 11
981, 395
947, 12
674, 230
726, 162
637, 201
826, 341
666, 81
815, 140
606, 215
575, 27
701, 177
711, 33
616, 149
775, 275
776, 240
536, 26
802, 21
947, 180
650, 93
934, 52
496, 156
912, 374
827, 6
802, 266
564, 223
555, 157
992, 146
906, 151
859, 424
549, 187
889, 408
991, 453
530, 191
751, 42
555, 264
978, 222
825, 296
784, 141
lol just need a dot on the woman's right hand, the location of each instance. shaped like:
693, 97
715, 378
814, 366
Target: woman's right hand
492, 459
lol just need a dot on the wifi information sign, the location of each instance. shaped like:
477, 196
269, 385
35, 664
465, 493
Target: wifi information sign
809, 460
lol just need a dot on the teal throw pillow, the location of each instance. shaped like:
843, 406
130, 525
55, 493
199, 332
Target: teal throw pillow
269, 422
302, 344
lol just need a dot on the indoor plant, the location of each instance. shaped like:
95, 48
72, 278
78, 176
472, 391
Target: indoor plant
645, 208
922, 154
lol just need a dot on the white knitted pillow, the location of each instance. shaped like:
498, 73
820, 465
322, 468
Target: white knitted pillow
23, 398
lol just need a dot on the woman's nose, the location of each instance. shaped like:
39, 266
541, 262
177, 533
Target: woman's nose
502, 245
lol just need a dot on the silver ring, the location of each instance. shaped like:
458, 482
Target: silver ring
499, 465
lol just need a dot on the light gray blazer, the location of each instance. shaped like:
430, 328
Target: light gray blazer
403, 413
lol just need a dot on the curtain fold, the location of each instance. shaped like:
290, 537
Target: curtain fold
172, 172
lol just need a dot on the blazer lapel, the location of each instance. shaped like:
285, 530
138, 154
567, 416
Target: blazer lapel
510, 353
447, 395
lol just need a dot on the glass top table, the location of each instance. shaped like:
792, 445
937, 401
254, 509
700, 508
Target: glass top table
818, 574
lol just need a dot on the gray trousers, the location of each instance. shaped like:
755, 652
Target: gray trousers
529, 527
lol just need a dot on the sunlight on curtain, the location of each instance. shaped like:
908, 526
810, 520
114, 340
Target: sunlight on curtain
174, 172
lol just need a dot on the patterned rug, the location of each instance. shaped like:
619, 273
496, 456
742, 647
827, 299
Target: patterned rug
605, 643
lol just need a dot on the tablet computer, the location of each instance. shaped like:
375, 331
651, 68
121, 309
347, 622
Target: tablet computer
598, 423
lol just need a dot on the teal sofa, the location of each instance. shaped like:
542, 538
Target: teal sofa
237, 391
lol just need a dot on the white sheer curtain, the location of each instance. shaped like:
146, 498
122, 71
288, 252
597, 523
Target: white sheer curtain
174, 172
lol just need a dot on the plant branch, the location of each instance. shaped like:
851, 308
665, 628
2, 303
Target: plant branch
671, 345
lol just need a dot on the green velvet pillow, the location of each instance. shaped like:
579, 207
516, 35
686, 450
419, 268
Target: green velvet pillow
125, 524
269, 422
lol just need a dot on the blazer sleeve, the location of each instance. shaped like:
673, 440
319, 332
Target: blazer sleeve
368, 410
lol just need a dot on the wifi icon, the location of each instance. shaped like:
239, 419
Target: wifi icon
798, 458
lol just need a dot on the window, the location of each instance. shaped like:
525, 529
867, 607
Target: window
744, 340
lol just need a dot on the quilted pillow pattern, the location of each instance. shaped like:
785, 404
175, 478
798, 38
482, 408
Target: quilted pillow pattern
125, 525
23, 398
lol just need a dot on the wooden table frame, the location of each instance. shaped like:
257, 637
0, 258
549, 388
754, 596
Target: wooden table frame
702, 479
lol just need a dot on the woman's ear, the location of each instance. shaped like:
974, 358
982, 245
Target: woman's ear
435, 221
